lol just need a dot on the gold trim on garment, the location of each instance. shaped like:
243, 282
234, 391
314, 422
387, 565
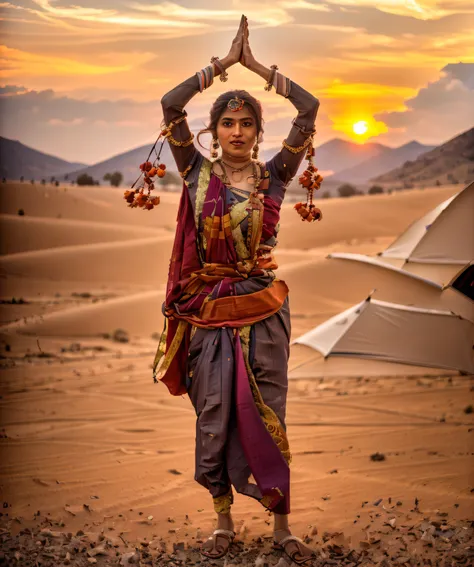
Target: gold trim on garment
223, 503
239, 241
162, 361
269, 417
203, 183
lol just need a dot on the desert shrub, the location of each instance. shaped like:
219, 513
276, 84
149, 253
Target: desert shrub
347, 190
22, 178
114, 178
85, 179
326, 195
43, 182
375, 190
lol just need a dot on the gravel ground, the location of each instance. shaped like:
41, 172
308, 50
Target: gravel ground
391, 540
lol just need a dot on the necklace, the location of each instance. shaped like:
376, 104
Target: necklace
234, 170
256, 176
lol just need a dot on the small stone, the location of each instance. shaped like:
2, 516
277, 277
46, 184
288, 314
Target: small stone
377, 457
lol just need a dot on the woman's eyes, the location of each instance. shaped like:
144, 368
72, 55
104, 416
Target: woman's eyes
229, 124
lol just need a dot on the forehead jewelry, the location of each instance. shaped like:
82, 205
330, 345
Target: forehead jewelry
235, 104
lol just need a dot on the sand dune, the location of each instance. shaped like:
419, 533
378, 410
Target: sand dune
24, 234
140, 260
139, 314
359, 218
97, 204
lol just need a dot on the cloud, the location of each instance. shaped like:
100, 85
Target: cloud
419, 9
439, 111
8, 90
17, 63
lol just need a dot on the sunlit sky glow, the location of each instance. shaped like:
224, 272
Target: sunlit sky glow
82, 80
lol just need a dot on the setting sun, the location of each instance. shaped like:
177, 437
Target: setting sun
360, 127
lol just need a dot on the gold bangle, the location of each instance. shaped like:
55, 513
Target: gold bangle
297, 149
223, 73
178, 143
269, 84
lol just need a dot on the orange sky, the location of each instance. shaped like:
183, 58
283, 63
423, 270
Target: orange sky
83, 79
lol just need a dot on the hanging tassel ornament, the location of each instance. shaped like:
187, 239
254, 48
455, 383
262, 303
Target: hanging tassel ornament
141, 197
311, 181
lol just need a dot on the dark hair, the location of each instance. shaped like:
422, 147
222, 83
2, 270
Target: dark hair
220, 105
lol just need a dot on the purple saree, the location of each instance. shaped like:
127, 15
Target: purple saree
227, 342
217, 290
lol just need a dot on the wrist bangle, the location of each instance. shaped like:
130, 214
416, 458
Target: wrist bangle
269, 84
223, 75
205, 77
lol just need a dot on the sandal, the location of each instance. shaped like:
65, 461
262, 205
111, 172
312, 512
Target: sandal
281, 546
226, 534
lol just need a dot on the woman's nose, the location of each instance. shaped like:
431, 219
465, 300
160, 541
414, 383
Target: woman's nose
237, 130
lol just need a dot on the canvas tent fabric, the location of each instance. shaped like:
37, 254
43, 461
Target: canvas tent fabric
435, 247
443, 236
396, 333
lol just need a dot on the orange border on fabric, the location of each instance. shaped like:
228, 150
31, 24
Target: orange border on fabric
240, 310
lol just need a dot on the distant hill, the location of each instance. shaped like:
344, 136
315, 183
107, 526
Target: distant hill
339, 155
128, 164
18, 160
387, 160
452, 162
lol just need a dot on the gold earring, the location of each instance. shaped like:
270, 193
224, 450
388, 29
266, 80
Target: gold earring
214, 147
255, 151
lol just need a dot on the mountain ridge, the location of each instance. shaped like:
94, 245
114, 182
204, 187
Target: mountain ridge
18, 159
450, 162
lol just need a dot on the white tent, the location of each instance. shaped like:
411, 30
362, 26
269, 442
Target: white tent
434, 248
391, 332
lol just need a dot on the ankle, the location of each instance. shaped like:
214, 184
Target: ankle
282, 531
225, 521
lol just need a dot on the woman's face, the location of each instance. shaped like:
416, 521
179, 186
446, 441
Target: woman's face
237, 133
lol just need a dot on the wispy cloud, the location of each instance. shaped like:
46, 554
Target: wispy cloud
17, 63
419, 9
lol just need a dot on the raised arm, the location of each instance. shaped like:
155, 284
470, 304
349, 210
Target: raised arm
180, 138
287, 161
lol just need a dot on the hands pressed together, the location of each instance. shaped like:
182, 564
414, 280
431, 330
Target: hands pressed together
240, 51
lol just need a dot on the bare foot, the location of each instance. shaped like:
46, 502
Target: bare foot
296, 550
217, 545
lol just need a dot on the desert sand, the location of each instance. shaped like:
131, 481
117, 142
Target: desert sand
101, 459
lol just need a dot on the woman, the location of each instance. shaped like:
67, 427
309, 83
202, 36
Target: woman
228, 320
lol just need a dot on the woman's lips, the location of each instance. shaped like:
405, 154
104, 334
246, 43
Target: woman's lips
237, 144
